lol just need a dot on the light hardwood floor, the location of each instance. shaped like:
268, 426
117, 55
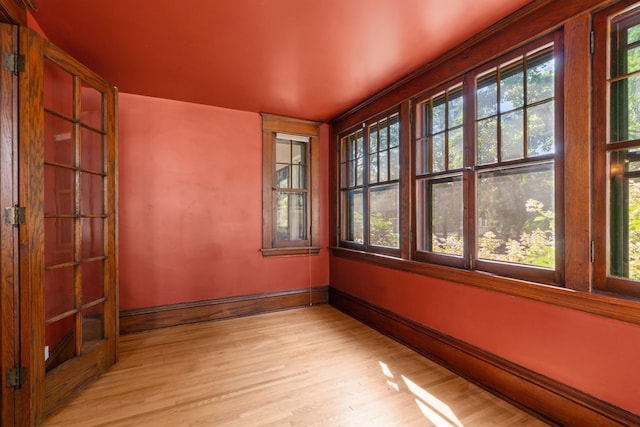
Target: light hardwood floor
306, 367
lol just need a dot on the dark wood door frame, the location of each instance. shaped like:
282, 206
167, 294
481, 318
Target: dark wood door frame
9, 291
15, 11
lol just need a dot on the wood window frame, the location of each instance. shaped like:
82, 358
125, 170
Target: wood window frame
553, 276
602, 148
422, 217
272, 125
403, 188
580, 192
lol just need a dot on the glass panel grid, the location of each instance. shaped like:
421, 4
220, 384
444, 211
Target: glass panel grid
75, 213
514, 109
624, 165
379, 144
291, 164
440, 132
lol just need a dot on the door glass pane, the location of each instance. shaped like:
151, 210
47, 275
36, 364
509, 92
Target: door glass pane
58, 89
92, 326
60, 343
92, 237
516, 215
91, 194
58, 190
91, 113
58, 242
383, 218
58, 140
60, 291
92, 281
92, 150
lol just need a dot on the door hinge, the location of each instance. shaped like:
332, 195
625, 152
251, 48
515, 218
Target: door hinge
16, 376
592, 250
14, 62
15, 215
592, 42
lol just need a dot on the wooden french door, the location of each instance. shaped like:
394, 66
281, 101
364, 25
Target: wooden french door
65, 309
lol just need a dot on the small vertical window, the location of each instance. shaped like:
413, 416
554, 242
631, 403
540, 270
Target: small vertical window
439, 162
290, 186
370, 186
290, 192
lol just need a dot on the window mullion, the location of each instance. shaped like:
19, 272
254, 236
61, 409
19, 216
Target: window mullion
366, 186
498, 115
469, 174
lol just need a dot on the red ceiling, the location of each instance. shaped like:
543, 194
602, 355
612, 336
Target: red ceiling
303, 58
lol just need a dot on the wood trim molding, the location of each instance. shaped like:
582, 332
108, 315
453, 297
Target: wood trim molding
602, 305
305, 250
524, 25
144, 319
271, 125
542, 396
15, 11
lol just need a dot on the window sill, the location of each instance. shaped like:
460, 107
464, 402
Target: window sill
603, 305
299, 251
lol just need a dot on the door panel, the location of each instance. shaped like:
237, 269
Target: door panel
68, 186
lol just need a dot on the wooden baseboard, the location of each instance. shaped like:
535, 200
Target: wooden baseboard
144, 319
544, 397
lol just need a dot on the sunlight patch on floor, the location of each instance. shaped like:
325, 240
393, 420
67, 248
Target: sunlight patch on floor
434, 409
426, 401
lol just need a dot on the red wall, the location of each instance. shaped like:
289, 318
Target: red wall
190, 214
594, 354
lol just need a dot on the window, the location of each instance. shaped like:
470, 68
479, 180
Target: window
516, 197
504, 148
514, 166
370, 186
439, 180
617, 149
290, 195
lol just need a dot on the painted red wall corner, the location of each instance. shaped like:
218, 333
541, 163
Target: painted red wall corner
190, 209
